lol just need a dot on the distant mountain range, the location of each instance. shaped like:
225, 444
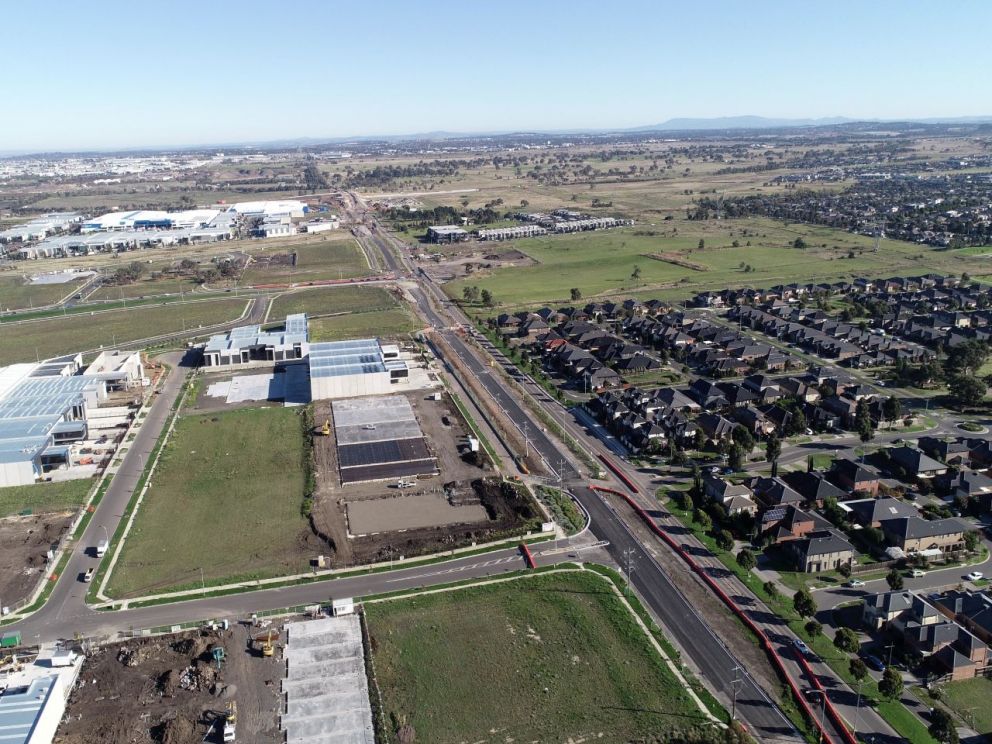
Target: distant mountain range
683, 124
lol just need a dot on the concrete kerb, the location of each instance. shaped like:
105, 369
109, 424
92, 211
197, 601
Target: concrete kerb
669, 662
279, 582
147, 474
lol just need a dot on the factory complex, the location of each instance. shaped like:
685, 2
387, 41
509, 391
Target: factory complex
51, 411
337, 369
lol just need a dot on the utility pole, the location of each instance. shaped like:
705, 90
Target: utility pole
737, 680
629, 566
857, 709
526, 439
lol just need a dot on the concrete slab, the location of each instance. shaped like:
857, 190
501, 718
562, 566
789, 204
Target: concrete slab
409, 513
327, 697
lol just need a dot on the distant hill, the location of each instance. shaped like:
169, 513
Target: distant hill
740, 122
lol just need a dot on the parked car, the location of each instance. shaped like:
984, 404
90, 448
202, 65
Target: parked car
88, 576
854, 584
975, 576
917, 573
874, 662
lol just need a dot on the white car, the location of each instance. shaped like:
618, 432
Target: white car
855, 584
975, 576
917, 573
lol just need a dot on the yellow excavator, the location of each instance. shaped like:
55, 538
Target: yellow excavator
264, 644
230, 721
325, 430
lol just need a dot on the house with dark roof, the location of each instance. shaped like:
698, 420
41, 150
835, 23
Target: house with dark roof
822, 550
715, 427
813, 486
872, 512
970, 484
973, 610
930, 537
914, 463
855, 477
735, 498
878, 610
950, 451
786, 523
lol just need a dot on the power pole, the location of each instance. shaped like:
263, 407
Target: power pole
629, 565
526, 439
737, 681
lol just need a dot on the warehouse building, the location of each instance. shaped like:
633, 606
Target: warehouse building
287, 208
40, 227
34, 697
247, 344
446, 234
145, 219
347, 369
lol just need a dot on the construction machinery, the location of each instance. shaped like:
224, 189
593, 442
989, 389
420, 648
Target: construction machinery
325, 430
230, 721
264, 644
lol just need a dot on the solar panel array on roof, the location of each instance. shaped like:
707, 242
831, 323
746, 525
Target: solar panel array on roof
379, 438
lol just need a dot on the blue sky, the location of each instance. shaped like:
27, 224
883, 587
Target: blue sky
106, 74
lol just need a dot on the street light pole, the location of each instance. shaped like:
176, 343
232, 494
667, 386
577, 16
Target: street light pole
857, 709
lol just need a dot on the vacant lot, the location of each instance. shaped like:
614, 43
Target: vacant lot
362, 325
330, 300
24, 342
226, 500
17, 292
549, 658
148, 288
970, 699
604, 263
334, 258
41, 498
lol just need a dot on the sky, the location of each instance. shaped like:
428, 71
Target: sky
106, 74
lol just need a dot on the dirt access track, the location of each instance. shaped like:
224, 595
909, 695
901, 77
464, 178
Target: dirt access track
168, 690
24, 541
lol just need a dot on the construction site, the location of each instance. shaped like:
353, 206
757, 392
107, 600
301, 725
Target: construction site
402, 475
180, 689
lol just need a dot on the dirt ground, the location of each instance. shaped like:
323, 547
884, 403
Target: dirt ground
23, 544
168, 690
446, 433
464, 259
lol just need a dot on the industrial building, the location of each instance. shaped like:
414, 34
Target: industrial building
45, 407
446, 234
150, 220
317, 226
40, 227
247, 344
337, 369
346, 369
288, 208
33, 699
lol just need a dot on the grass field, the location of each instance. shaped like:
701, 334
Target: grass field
602, 263
17, 293
44, 497
225, 498
327, 300
384, 323
24, 342
970, 699
553, 657
147, 288
334, 258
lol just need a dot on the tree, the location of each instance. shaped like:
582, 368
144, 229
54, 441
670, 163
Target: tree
770, 589
487, 298
803, 604
813, 629
575, 293
972, 540
773, 449
636, 273
701, 244
858, 669
844, 569
966, 390
894, 580
702, 519
724, 540
847, 640
891, 409
799, 243
966, 357
735, 457
890, 686
746, 559
744, 438
942, 727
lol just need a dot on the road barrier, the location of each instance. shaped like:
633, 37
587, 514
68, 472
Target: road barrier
528, 556
763, 639
618, 473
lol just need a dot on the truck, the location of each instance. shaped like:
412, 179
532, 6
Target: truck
88, 576
10, 640
101, 548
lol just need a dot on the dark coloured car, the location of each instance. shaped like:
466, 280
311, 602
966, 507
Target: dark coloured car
874, 662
